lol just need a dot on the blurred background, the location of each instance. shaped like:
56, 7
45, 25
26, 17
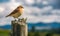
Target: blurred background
43, 16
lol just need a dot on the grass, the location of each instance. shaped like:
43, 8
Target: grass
6, 33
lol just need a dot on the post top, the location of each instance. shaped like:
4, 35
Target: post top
19, 21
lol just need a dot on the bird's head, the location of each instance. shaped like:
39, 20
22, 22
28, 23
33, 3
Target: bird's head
21, 8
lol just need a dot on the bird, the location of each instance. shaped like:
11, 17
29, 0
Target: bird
17, 12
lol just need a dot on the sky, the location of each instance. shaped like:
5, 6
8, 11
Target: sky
35, 11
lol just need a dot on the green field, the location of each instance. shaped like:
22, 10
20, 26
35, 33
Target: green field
6, 33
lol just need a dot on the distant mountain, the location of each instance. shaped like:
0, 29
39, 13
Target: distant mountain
53, 24
5, 27
40, 24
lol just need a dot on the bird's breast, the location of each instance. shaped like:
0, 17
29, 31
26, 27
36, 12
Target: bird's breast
21, 10
16, 15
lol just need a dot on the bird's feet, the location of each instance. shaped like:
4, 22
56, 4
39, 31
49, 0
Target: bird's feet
16, 19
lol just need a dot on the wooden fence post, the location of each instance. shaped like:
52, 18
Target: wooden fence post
19, 27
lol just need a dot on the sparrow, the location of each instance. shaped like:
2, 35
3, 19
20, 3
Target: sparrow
17, 12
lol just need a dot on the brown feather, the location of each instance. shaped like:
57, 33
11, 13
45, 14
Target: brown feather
17, 12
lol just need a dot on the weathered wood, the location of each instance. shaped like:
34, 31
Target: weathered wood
14, 23
19, 27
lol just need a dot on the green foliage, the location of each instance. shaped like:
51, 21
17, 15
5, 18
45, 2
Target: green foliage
37, 34
33, 34
30, 34
33, 29
49, 34
4, 32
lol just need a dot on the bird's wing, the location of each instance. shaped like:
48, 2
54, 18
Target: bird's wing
13, 12
16, 10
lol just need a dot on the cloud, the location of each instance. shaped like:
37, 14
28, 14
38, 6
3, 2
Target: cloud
4, 1
41, 28
56, 12
1, 9
34, 14
54, 3
45, 2
29, 1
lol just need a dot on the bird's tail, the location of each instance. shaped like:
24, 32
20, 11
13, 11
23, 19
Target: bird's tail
7, 15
